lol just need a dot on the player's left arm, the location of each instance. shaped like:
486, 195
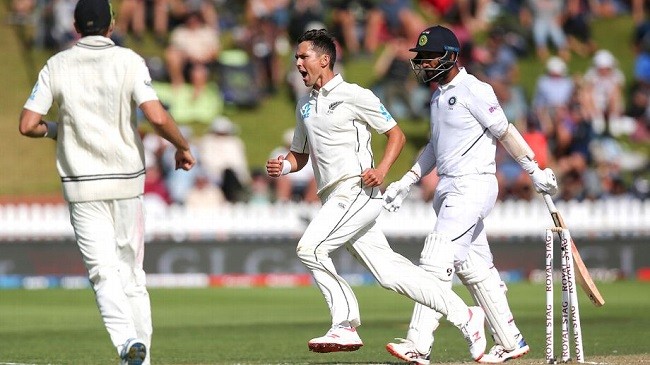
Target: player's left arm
394, 145
487, 110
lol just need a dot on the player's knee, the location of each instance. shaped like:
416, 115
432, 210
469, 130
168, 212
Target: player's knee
135, 285
99, 274
308, 252
391, 281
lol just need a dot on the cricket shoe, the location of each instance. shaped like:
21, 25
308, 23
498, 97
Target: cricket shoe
498, 354
405, 350
474, 332
338, 338
133, 353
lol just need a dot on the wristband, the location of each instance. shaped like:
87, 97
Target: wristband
417, 177
286, 167
51, 130
411, 177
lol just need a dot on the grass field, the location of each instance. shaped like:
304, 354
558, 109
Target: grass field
272, 326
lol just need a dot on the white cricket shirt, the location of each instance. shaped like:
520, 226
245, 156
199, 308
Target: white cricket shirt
466, 120
334, 126
97, 87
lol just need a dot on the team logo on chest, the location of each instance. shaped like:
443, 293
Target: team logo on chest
451, 101
333, 106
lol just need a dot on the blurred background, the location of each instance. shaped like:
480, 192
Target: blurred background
573, 75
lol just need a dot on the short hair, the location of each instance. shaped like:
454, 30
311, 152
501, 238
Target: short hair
322, 42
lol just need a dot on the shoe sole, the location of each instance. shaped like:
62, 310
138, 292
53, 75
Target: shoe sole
506, 360
136, 355
333, 347
389, 348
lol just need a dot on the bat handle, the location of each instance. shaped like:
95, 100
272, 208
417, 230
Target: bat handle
549, 203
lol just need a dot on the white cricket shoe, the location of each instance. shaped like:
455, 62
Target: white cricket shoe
498, 354
133, 353
338, 338
474, 333
405, 350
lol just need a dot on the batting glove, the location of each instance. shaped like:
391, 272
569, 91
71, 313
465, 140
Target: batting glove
397, 191
544, 181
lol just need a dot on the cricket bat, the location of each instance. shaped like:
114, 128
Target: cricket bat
582, 274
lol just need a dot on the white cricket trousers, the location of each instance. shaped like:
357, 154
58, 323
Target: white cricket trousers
461, 204
110, 236
348, 218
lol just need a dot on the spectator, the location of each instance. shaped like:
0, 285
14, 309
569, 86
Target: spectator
299, 186
544, 18
133, 15
198, 102
267, 40
155, 190
350, 16
400, 19
554, 88
192, 44
303, 14
224, 159
203, 194
577, 27
639, 110
514, 182
179, 10
260, 188
63, 32
22, 11
641, 47
471, 15
501, 62
179, 182
605, 82
402, 94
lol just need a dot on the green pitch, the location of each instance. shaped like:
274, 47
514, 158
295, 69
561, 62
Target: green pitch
272, 326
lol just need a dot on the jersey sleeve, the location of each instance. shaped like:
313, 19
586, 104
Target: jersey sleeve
142, 88
300, 142
485, 107
41, 98
372, 111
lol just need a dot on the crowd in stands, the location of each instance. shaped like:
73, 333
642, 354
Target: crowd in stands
216, 52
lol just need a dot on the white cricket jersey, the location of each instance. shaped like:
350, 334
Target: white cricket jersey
97, 87
334, 125
466, 120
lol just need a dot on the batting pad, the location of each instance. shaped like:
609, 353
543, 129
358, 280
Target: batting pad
485, 287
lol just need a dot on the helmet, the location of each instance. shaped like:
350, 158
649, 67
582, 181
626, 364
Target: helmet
436, 39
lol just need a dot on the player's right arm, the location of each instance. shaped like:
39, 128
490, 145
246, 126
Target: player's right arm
293, 161
32, 125
37, 105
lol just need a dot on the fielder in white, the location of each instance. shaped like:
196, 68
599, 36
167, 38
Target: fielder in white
466, 123
333, 127
100, 159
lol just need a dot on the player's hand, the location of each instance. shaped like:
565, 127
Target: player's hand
544, 181
372, 177
184, 160
395, 195
274, 166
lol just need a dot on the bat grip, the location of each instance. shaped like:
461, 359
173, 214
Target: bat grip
549, 203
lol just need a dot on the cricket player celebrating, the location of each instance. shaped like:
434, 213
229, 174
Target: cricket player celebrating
333, 127
466, 122
100, 159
